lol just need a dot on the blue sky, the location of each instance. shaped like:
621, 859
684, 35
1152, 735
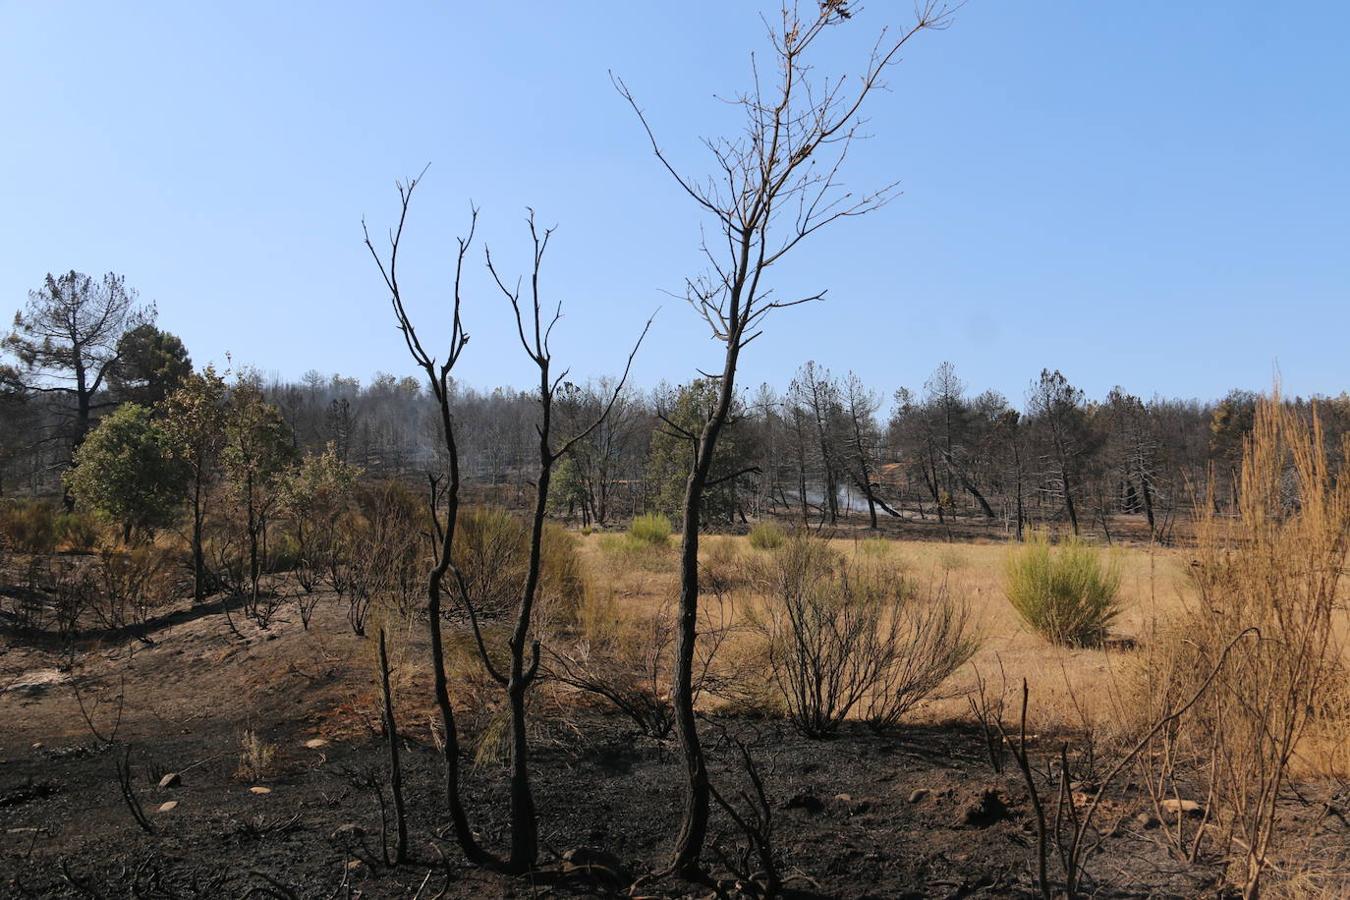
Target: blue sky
1150, 194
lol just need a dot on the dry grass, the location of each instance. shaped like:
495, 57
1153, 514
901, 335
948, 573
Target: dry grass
1154, 587
1269, 583
256, 757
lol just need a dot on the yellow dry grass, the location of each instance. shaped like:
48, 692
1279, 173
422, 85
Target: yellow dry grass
1070, 687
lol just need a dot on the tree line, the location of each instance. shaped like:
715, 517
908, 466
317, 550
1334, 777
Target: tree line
823, 449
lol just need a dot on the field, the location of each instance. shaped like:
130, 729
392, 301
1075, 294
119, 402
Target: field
276, 738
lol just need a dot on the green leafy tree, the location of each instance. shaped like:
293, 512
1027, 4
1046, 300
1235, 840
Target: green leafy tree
193, 419
150, 365
256, 457
126, 470
315, 495
683, 413
567, 491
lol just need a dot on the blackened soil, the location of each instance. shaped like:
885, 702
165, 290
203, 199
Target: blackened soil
918, 814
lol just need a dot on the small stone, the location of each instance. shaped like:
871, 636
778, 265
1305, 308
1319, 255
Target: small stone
1147, 821
855, 807
919, 795
1175, 807
168, 806
315, 743
259, 789
172, 779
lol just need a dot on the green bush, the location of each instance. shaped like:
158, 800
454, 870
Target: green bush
650, 528
284, 553
29, 526
77, 531
634, 553
875, 547
1066, 594
492, 553
766, 536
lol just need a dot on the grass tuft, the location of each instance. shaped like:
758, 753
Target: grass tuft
767, 536
1067, 594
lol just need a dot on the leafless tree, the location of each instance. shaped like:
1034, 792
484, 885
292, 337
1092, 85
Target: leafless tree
860, 405
395, 768
1058, 408
443, 505
774, 185
534, 327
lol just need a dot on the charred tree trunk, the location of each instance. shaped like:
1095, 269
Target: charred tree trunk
395, 768
442, 527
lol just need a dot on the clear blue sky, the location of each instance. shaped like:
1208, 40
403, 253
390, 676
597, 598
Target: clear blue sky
1151, 194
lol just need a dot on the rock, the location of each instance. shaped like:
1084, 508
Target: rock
919, 795
1175, 807
983, 811
172, 779
259, 789
855, 807
1147, 820
810, 803
315, 743
168, 806
589, 862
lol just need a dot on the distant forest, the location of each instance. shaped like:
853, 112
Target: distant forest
825, 448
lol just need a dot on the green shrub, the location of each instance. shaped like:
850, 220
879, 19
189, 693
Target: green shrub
29, 526
952, 558
77, 531
1066, 594
650, 528
634, 553
722, 564
283, 552
492, 552
875, 547
766, 536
